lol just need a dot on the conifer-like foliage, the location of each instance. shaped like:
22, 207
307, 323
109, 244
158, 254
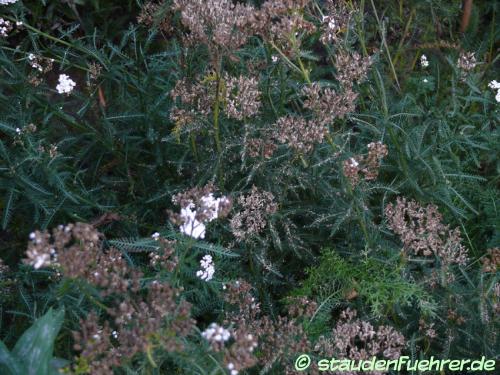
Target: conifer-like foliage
218, 186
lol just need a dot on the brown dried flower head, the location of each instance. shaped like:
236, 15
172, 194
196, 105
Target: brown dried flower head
300, 134
421, 230
252, 219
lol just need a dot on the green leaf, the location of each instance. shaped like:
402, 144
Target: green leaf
8, 364
36, 345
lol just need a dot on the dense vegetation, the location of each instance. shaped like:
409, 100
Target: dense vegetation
213, 187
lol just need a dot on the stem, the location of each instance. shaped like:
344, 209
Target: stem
193, 146
216, 114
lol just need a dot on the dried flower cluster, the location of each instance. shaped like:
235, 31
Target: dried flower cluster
199, 206
252, 219
195, 99
300, 134
351, 68
368, 165
260, 147
151, 15
242, 97
335, 21
421, 231
138, 323
164, 255
278, 341
327, 104
138, 319
466, 63
356, 339
491, 263
219, 24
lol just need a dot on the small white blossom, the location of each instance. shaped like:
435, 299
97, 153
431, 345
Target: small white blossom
66, 84
274, 58
497, 96
18, 131
5, 27
6, 2
191, 226
155, 236
208, 269
216, 333
494, 85
424, 63
425, 80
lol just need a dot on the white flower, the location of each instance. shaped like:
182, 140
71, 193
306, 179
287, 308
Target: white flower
6, 2
208, 269
425, 80
353, 162
191, 226
423, 61
494, 85
5, 27
18, 131
497, 97
66, 84
155, 236
216, 333
274, 58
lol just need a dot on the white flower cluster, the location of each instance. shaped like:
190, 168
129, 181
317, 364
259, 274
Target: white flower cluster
66, 84
353, 163
40, 259
494, 85
191, 226
5, 27
423, 61
155, 236
215, 333
6, 2
208, 269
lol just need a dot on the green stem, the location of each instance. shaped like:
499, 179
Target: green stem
216, 114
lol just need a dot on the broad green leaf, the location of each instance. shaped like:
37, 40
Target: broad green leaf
8, 364
35, 347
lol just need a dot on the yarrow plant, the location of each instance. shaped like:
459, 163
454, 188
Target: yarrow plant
242, 182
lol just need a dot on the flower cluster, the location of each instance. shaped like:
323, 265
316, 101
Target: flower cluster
216, 335
260, 147
368, 165
137, 323
65, 85
466, 63
327, 104
300, 134
149, 16
252, 219
424, 63
208, 269
334, 21
42, 64
199, 206
5, 28
421, 231
220, 24
353, 338
6, 2
494, 85
242, 97
491, 263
